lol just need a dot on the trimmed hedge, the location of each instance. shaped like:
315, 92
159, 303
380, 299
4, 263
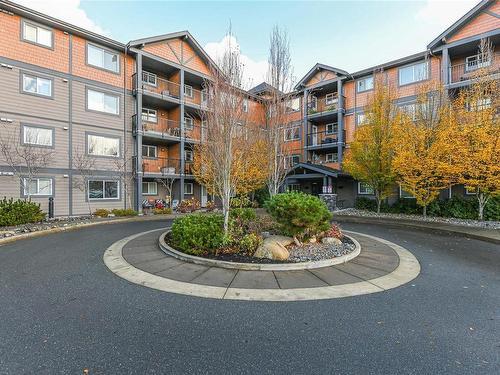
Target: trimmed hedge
17, 212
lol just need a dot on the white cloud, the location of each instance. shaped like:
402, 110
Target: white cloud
441, 14
254, 72
65, 10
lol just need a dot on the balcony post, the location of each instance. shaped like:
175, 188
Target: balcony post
340, 120
305, 131
182, 161
445, 66
138, 138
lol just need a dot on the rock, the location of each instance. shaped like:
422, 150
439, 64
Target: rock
273, 247
331, 241
284, 240
313, 240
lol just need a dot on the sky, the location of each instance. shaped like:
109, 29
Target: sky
349, 35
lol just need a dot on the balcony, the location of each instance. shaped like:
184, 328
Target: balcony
159, 87
165, 167
196, 98
323, 140
472, 66
169, 130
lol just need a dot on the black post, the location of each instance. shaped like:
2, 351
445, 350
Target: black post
51, 207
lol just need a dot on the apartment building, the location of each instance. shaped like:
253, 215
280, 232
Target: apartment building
135, 110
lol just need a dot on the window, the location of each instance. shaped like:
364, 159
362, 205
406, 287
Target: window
364, 84
37, 85
188, 188
332, 158
102, 58
292, 133
149, 188
204, 130
331, 98
188, 91
293, 105
404, 193
37, 34
414, 110
33, 135
313, 103
37, 186
149, 115
149, 78
332, 128
477, 61
149, 151
414, 73
245, 105
479, 105
293, 187
103, 189
188, 123
360, 118
470, 191
204, 97
103, 102
292, 160
364, 189
188, 155
103, 146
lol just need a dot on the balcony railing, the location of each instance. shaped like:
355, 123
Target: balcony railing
323, 138
469, 69
196, 98
323, 105
324, 159
163, 87
165, 166
168, 128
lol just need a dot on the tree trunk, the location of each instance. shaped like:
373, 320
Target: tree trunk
482, 200
425, 211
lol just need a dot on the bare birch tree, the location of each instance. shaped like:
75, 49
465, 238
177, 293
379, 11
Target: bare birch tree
280, 77
25, 159
125, 169
168, 184
84, 166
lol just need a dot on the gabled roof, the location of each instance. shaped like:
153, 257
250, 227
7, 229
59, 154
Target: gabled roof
460, 23
316, 168
261, 88
179, 34
317, 67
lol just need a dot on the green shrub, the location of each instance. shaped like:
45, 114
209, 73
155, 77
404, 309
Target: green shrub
16, 212
299, 214
492, 209
101, 212
124, 212
261, 196
198, 234
240, 201
406, 206
162, 211
243, 214
364, 203
250, 243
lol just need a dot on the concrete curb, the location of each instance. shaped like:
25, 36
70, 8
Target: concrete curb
408, 269
44, 232
258, 266
463, 231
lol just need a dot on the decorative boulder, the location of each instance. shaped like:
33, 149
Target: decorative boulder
274, 248
331, 241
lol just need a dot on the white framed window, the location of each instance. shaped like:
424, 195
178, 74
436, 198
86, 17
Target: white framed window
188, 123
477, 61
364, 189
98, 145
37, 186
360, 118
293, 105
37, 85
39, 136
149, 188
470, 191
103, 189
292, 133
150, 79
414, 73
188, 188
405, 194
188, 91
332, 128
479, 105
331, 98
332, 157
293, 187
37, 34
103, 58
292, 160
188, 155
245, 105
313, 103
149, 151
204, 97
149, 115
364, 84
103, 102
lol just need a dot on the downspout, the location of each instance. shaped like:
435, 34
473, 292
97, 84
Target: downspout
125, 124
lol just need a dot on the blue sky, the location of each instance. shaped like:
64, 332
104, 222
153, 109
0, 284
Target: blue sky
349, 35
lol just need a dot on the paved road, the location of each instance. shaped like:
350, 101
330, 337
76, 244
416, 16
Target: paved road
61, 311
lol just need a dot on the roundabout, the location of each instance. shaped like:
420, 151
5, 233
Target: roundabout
375, 266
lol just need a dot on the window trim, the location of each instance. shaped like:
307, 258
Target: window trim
413, 64
331, 123
23, 142
401, 194
186, 152
290, 109
332, 94
105, 92
87, 133
292, 139
191, 90
118, 72
364, 193
150, 157
245, 105
52, 187
467, 192
22, 73
357, 117
150, 74
190, 127
150, 109
191, 190
36, 24
364, 79
103, 180
150, 182
331, 161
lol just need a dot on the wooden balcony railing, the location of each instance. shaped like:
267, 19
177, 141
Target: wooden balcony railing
165, 166
473, 66
323, 138
160, 86
323, 105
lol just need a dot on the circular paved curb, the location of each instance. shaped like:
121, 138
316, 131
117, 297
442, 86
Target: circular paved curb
258, 266
408, 269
